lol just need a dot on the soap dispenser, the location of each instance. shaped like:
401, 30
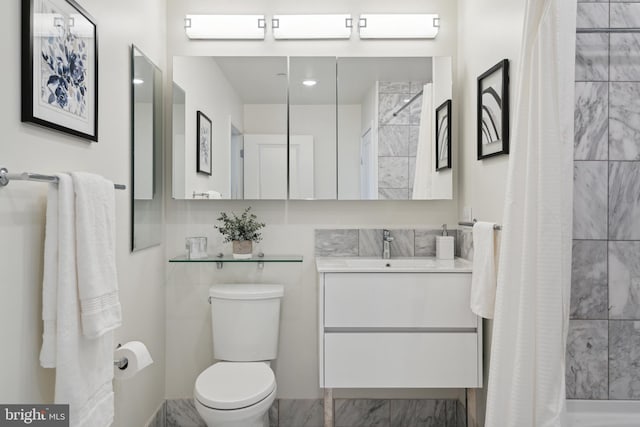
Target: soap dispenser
444, 244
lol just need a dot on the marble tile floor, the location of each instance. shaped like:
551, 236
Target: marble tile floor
348, 413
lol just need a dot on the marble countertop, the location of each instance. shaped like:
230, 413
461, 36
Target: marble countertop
393, 265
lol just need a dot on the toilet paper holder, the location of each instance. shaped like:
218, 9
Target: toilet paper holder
121, 363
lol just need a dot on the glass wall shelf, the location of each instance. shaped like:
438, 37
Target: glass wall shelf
221, 259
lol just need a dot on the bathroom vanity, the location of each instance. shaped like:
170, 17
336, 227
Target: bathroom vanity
397, 323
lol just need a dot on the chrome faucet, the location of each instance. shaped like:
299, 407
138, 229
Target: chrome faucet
386, 239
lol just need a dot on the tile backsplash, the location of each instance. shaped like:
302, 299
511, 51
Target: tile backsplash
368, 242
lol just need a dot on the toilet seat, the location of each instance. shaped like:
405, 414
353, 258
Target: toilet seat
234, 385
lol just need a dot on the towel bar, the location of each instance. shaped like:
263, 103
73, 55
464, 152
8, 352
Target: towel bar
5, 177
470, 224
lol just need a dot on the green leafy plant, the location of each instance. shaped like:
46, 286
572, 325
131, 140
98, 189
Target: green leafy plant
243, 227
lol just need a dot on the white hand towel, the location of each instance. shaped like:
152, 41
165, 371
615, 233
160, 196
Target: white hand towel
96, 245
50, 281
483, 278
84, 367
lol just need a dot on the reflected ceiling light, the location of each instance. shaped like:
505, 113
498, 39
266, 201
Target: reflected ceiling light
311, 26
309, 82
137, 81
398, 26
229, 27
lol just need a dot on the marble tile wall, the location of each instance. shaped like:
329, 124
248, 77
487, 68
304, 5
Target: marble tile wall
397, 139
347, 413
603, 349
368, 242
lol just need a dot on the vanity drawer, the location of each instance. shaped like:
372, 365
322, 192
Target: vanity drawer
408, 360
398, 300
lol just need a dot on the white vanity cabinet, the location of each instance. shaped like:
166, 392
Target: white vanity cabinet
398, 327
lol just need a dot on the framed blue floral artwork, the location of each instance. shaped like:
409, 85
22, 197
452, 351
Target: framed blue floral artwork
60, 67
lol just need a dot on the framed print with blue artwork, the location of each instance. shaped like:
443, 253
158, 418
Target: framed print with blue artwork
60, 67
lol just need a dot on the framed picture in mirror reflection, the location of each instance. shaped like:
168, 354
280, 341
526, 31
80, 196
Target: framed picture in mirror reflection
203, 153
443, 136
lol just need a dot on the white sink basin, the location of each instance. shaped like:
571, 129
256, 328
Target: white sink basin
361, 264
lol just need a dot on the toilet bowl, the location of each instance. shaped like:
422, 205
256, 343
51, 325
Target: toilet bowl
235, 394
238, 390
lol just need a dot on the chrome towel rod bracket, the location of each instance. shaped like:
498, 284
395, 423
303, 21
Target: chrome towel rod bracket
470, 224
5, 177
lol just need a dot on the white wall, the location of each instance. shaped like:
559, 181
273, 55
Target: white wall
207, 90
27, 147
290, 225
490, 30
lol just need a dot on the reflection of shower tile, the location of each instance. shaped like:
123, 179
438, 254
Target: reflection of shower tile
361, 412
370, 242
592, 57
336, 242
591, 121
589, 280
624, 353
301, 413
624, 200
417, 87
624, 121
625, 58
418, 412
412, 170
393, 140
393, 194
393, 172
394, 87
624, 280
590, 200
414, 132
390, 103
587, 351
415, 110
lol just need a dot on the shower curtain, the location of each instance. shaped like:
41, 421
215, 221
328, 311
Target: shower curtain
526, 379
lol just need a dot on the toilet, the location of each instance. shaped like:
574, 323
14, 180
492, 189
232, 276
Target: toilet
238, 390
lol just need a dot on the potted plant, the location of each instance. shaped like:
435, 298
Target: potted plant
242, 231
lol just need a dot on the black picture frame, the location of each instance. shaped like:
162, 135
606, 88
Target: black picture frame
203, 152
443, 136
493, 111
60, 67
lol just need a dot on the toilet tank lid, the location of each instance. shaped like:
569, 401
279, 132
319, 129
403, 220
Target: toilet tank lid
246, 291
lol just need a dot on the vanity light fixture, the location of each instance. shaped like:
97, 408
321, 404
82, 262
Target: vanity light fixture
225, 27
398, 26
137, 81
309, 82
311, 26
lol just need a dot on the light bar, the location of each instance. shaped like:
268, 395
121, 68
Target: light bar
398, 26
225, 27
311, 27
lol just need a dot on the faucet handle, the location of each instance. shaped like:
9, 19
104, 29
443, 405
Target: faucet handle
386, 236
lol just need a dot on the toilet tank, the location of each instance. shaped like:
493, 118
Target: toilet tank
245, 321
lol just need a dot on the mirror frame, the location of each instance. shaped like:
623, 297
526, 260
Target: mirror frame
157, 155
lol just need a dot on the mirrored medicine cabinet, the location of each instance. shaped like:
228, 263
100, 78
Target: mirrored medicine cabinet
309, 128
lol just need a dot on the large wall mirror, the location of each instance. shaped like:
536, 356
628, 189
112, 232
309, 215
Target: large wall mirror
312, 128
146, 147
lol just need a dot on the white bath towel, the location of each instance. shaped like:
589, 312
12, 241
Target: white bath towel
483, 278
50, 279
84, 367
96, 244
